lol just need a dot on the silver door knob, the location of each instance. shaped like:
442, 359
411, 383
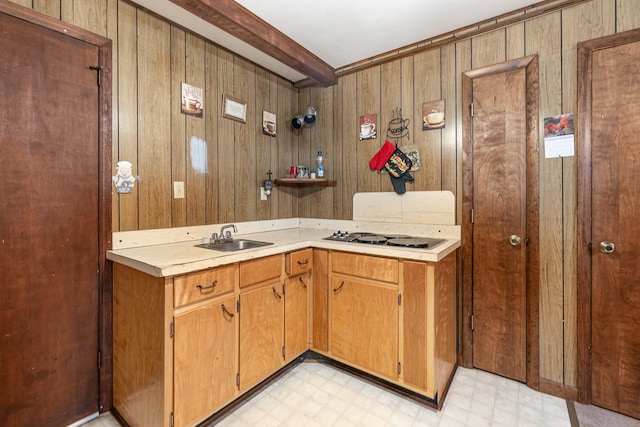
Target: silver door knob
515, 240
607, 247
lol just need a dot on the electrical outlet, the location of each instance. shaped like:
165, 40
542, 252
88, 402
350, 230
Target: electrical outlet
178, 189
263, 194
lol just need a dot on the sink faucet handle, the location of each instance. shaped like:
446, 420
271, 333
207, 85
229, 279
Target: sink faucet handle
214, 236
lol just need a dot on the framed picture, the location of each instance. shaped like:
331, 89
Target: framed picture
233, 108
191, 100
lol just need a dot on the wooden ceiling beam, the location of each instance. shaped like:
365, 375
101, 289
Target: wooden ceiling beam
238, 21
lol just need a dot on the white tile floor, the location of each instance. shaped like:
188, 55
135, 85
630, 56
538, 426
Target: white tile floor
317, 395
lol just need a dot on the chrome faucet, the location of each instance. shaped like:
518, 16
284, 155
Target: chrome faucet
224, 236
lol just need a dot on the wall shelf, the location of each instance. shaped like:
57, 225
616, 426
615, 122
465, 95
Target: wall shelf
303, 182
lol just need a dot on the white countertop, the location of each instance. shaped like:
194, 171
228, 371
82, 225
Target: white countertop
180, 257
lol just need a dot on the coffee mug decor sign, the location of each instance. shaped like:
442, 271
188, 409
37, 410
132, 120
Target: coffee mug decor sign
433, 115
268, 123
191, 100
368, 126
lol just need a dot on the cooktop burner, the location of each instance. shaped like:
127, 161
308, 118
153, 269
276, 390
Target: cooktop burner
385, 239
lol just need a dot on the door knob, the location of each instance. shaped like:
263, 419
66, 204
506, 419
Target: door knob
515, 240
607, 247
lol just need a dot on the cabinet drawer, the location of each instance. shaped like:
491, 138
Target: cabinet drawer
370, 267
260, 270
298, 262
205, 284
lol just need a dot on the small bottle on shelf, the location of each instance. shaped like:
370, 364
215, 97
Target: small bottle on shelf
320, 162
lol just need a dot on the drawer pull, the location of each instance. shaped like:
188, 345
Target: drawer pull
339, 288
202, 288
305, 262
227, 312
304, 285
276, 293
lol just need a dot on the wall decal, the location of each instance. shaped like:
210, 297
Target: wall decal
124, 179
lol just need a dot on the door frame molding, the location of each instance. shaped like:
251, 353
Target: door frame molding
105, 291
583, 130
530, 64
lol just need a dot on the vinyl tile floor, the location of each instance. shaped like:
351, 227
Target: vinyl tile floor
318, 395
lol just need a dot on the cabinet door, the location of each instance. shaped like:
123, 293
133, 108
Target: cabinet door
296, 316
204, 361
261, 328
364, 325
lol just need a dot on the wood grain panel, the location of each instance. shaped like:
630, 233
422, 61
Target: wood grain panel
154, 107
488, 49
350, 131
448, 134
390, 103
601, 18
25, 3
305, 98
246, 182
287, 149
515, 45
414, 327
444, 311
371, 267
90, 15
338, 171
407, 99
112, 33
541, 39
128, 210
225, 168
179, 148
368, 102
47, 7
429, 142
627, 15
212, 99
196, 175
260, 270
265, 100
324, 201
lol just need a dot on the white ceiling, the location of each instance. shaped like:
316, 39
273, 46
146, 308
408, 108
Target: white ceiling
341, 32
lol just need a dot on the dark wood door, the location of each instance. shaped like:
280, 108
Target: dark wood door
500, 193
49, 227
615, 229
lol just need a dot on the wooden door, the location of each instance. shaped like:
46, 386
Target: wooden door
500, 176
296, 315
609, 173
204, 361
364, 325
261, 329
52, 249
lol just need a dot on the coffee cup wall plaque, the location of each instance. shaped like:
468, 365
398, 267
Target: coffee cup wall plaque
368, 126
433, 115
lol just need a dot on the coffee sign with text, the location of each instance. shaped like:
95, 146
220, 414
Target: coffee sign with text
192, 98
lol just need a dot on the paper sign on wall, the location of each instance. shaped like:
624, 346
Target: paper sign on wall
559, 138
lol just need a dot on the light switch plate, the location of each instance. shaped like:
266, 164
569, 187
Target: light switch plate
178, 189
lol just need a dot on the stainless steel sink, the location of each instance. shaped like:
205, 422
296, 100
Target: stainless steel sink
235, 245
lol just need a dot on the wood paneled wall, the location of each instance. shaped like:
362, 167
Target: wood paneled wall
436, 74
151, 58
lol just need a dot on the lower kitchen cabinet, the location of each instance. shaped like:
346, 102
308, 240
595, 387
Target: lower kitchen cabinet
261, 330
296, 315
205, 360
186, 346
364, 325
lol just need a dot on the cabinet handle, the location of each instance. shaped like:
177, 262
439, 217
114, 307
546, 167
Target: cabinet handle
304, 285
305, 262
227, 312
276, 293
339, 288
202, 288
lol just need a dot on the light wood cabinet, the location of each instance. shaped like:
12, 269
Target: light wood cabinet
186, 346
296, 315
364, 314
261, 330
205, 360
